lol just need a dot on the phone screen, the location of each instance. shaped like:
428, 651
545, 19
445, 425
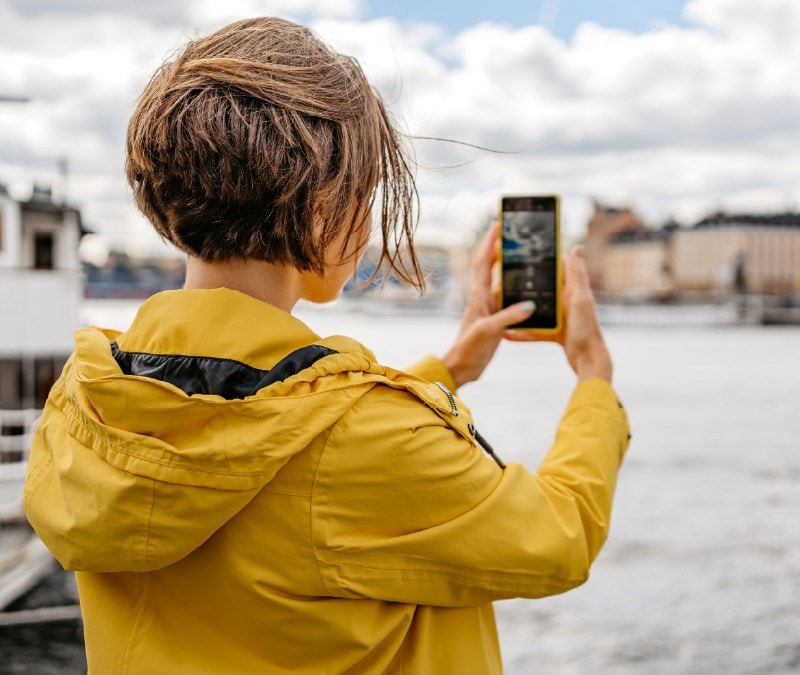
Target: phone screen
530, 251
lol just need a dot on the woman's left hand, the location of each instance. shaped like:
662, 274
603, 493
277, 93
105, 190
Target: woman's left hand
482, 326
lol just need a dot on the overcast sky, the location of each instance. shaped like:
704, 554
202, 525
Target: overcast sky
674, 108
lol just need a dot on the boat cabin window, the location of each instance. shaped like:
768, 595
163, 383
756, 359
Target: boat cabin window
26, 382
11, 384
43, 258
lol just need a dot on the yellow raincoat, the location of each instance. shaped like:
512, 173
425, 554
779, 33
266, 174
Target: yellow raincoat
340, 520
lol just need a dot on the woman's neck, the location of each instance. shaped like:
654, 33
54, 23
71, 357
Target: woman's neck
276, 285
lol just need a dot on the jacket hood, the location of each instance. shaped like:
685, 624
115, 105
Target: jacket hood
131, 473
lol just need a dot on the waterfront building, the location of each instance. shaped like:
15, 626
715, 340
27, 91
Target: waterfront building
606, 224
721, 254
740, 253
638, 265
446, 260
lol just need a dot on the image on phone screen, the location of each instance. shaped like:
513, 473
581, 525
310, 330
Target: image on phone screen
529, 257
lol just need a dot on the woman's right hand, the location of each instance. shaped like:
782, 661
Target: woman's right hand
581, 337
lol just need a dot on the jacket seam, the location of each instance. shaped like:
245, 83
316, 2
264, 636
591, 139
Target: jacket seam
149, 526
455, 575
145, 598
311, 506
77, 416
284, 493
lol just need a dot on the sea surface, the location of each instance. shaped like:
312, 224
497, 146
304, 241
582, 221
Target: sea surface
701, 573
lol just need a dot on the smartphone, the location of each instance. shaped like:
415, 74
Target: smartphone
530, 259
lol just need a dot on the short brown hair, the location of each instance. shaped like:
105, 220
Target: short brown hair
251, 133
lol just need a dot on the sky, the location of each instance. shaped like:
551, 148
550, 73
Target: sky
675, 109
560, 17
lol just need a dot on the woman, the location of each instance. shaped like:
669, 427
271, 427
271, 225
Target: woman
239, 495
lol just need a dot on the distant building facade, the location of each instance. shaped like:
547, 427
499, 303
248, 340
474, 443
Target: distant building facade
606, 224
724, 253
740, 253
638, 265
446, 260
133, 278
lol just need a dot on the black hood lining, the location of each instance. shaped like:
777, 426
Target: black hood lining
228, 378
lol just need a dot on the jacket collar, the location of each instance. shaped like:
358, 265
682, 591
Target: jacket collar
201, 323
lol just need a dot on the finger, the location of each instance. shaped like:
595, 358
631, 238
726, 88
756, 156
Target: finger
494, 231
577, 274
523, 336
485, 258
509, 316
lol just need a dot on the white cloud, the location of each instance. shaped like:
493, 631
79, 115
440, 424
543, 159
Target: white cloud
675, 121
772, 23
173, 11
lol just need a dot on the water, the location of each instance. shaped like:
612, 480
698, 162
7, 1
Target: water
702, 570
701, 573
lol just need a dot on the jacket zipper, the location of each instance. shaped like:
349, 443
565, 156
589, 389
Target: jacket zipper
450, 397
482, 442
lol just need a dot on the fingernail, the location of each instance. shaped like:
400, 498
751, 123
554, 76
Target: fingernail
528, 306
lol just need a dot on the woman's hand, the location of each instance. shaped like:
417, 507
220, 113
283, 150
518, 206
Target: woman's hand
581, 336
482, 327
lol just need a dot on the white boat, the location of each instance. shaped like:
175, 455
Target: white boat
40, 292
16, 433
24, 560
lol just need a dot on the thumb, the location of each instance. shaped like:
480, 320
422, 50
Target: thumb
513, 314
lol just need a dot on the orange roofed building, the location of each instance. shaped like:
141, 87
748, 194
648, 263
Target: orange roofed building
606, 223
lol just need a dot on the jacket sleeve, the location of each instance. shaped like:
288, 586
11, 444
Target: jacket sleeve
405, 509
432, 369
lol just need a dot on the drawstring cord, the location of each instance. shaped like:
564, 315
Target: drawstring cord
471, 427
488, 448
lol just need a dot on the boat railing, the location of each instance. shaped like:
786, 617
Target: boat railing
16, 435
24, 560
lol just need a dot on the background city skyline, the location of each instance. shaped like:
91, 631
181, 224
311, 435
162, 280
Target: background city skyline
675, 110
